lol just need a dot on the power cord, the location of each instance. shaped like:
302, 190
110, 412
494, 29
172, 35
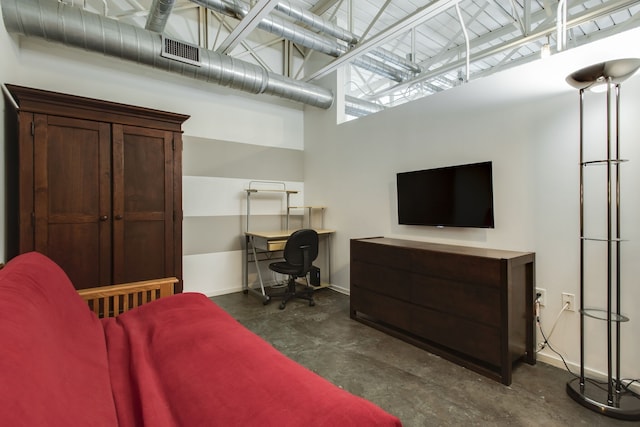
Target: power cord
553, 327
546, 343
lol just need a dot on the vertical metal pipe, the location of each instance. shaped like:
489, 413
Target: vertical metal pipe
609, 248
581, 238
248, 207
618, 241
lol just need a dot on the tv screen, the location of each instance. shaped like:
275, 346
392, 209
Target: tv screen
454, 196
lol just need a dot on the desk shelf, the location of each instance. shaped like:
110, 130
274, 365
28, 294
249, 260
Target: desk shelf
310, 210
277, 188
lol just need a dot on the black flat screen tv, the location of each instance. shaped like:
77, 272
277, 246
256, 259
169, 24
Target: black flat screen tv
453, 196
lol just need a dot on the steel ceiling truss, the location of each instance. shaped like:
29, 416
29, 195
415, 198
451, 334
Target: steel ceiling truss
424, 40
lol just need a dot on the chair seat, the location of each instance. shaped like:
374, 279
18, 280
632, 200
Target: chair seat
299, 253
284, 268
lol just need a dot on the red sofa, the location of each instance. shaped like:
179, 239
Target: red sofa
177, 361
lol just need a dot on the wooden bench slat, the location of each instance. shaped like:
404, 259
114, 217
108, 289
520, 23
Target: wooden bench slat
139, 292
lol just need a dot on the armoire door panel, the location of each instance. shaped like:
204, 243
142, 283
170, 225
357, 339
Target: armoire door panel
74, 248
144, 254
143, 200
72, 186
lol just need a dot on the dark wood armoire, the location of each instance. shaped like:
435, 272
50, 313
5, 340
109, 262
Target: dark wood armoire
95, 185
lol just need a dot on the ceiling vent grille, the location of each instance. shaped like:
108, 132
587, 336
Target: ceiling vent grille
180, 51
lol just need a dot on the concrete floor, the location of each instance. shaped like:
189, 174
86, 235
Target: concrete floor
419, 388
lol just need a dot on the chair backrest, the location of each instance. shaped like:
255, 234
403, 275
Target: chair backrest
294, 252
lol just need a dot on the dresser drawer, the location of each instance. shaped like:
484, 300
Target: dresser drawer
375, 253
381, 308
482, 271
476, 340
466, 300
381, 279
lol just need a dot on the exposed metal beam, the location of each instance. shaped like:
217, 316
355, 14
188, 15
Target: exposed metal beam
406, 24
322, 6
526, 14
203, 27
245, 45
247, 25
589, 15
145, 12
375, 19
543, 20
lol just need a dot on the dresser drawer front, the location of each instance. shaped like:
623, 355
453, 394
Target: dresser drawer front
466, 300
473, 339
381, 308
381, 279
482, 271
374, 253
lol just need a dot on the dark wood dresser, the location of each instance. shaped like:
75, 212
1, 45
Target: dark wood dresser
472, 306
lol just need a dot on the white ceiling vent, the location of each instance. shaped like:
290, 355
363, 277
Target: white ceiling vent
180, 51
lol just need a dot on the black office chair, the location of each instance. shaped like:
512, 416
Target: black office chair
300, 251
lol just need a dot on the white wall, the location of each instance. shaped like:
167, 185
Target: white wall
217, 114
526, 122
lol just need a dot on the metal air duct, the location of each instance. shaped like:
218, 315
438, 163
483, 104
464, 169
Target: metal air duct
159, 15
277, 26
314, 21
359, 107
380, 68
72, 26
292, 32
396, 59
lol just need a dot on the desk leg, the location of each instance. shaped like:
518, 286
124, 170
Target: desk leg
329, 258
245, 278
265, 298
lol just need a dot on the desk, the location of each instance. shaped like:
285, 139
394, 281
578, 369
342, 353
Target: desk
266, 243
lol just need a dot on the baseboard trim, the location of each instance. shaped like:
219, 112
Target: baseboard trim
554, 360
340, 289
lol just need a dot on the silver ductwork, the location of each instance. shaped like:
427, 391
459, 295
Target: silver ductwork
277, 26
380, 68
72, 26
394, 59
314, 21
159, 15
359, 107
292, 32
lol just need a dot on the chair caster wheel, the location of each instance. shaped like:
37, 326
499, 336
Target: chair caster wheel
266, 301
312, 303
282, 306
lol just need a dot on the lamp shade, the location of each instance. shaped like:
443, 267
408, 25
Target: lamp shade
618, 70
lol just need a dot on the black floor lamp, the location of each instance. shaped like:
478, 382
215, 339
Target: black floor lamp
611, 399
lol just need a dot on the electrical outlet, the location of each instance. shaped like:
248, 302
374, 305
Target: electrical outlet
543, 296
569, 298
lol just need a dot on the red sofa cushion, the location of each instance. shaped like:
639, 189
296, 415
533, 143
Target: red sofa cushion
53, 361
192, 364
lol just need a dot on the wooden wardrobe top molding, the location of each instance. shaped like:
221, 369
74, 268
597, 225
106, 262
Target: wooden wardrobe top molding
47, 102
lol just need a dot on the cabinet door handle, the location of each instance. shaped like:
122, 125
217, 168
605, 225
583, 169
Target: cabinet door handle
118, 217
104, 218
